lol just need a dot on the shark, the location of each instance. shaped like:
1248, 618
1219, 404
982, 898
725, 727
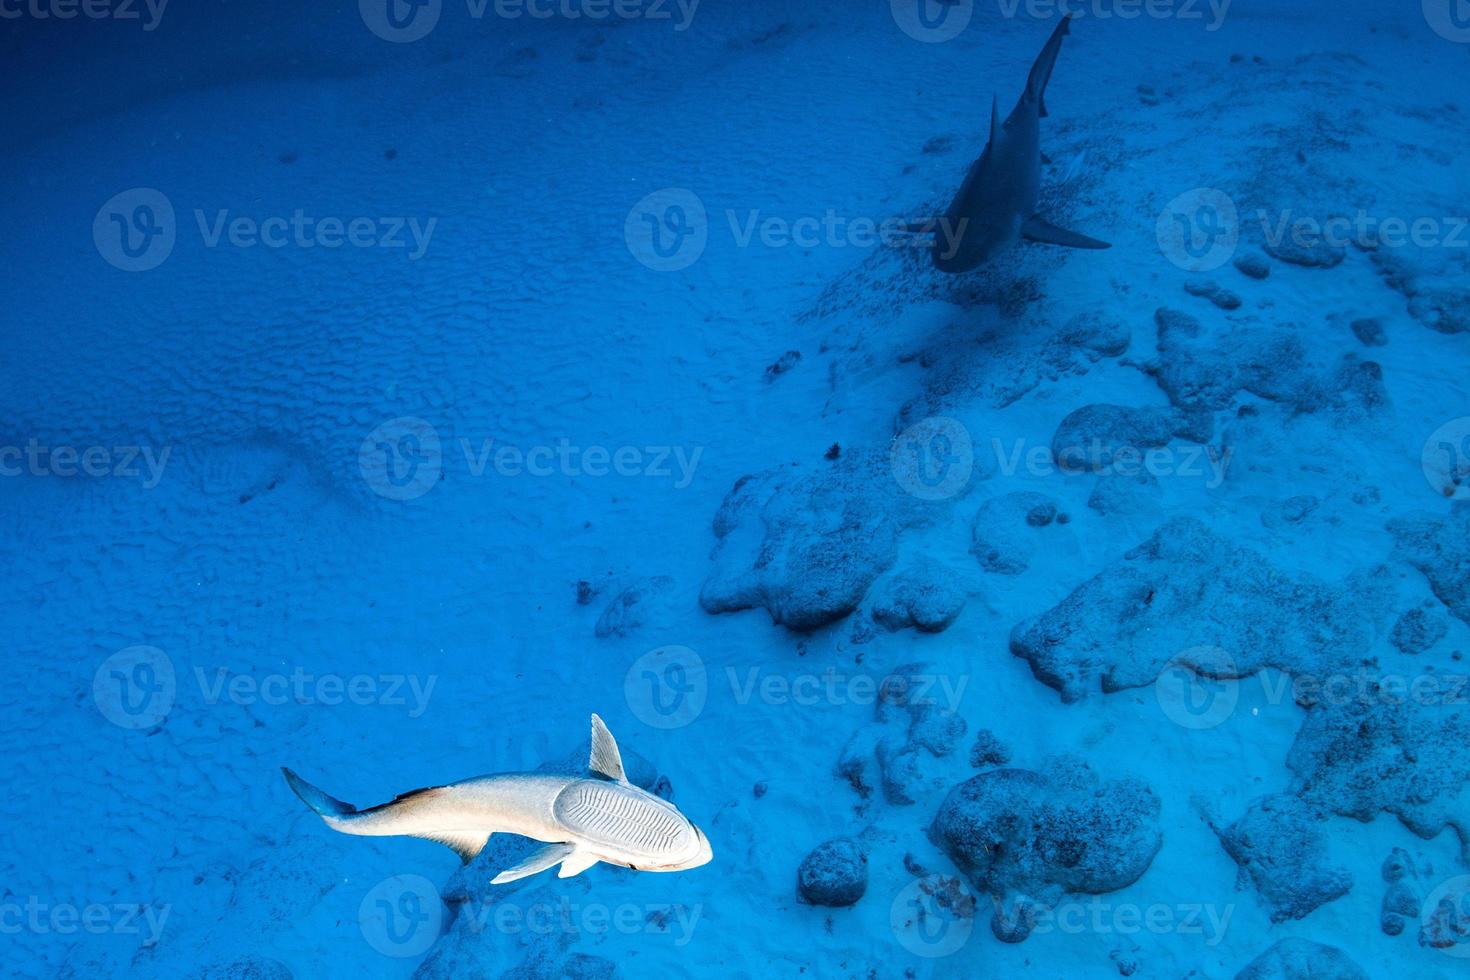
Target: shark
995, 207
581, 819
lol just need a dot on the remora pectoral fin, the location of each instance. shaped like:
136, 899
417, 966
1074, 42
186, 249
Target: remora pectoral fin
1039, 230
575, 864
539, 860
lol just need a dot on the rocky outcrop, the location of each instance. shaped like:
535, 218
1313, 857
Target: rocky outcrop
806, 544
1302, 959
1096, 438
1027, 839
915, 719
1440, 548
1187, 588
1009, 529
834, 874
1280, 847
923, 596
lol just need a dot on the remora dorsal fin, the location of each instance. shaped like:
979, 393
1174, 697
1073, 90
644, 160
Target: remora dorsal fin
538, 860
606, 760
1039, 230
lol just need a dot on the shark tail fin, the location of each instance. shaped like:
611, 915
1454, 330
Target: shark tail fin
327, 807
1045, 62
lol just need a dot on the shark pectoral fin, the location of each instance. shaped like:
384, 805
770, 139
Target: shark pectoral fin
1039, 230
606, 761
466, 844
575, 864
538, 861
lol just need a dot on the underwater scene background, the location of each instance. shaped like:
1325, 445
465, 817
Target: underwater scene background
392, 385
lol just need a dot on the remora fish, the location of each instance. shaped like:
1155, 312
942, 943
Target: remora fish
582, 819
996, 205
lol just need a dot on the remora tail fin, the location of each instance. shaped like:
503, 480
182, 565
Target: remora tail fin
1045, 62
325, 806
385, 820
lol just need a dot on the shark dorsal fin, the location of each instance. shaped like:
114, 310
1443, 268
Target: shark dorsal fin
606, 761
994, 119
